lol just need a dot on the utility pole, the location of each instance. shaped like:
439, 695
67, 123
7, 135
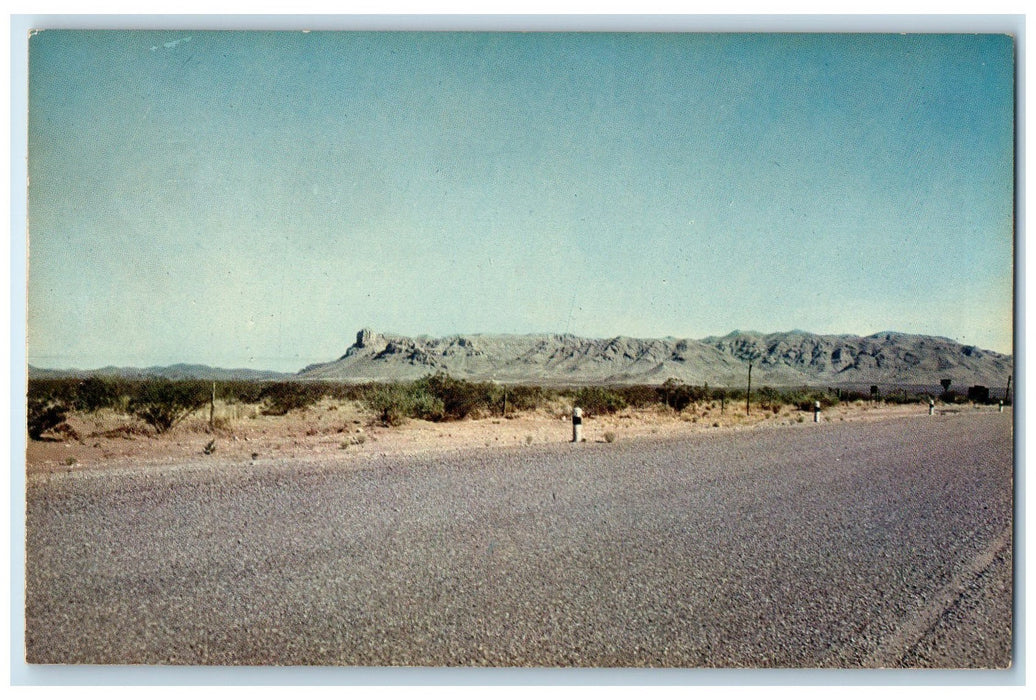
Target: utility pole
748, 395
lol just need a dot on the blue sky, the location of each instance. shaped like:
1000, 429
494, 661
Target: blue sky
253, 199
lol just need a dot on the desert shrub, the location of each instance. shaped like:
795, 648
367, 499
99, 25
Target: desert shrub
163, 403
679, 399
721, 396
44, 414
241, 391
596, 400
773, 399
609, 437
342, 391
86, 395
459, 398
767, 396
61, 391
678, 396
95, 393
281, 397
352, 440
388, 403
902, 396
440, 397
700, 394
734, 395
392, 404
673, 394
523, 397
425, 406
639, 396
805, 401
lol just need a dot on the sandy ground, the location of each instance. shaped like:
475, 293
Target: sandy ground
337, 431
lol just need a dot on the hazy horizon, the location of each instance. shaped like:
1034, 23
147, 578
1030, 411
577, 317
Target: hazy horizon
252, 199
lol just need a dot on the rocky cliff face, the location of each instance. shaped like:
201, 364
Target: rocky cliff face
779, 359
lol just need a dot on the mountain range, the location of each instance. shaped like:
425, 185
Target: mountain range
793, 358
780, 359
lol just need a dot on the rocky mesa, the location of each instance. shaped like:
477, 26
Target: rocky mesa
778, 359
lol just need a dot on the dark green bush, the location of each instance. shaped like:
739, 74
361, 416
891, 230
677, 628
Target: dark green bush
678, 396
721, 395
805, 401
341, 391
440, 397
769, 398
392, 404
162, 403
522, 397
639, 396
596, 400
58, 390
735, 395
459, 398
95, 393
240, 391
44, 414
902, 396
282, 397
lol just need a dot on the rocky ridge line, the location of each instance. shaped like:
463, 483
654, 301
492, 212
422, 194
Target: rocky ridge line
780, 359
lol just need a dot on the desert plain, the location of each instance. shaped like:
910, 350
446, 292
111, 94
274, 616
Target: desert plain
340, 431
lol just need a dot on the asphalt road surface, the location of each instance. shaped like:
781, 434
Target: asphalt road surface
845, 545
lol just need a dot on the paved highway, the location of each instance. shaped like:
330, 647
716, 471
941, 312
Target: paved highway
844, 545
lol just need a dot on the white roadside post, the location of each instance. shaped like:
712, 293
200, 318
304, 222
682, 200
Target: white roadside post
931, 407
816, 411
1001, 406
577, 424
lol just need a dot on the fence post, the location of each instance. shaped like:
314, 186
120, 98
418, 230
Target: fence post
748, 396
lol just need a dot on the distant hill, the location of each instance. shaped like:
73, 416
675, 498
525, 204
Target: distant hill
793, 358
779, 359
178, 371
